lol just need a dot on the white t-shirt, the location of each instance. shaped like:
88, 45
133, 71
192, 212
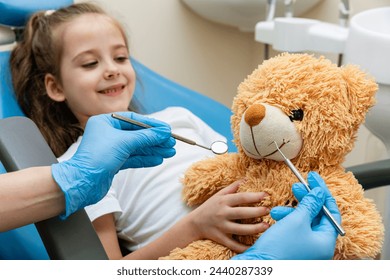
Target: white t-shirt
147, 201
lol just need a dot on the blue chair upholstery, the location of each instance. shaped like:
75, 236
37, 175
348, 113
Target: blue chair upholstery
153, 91
16, 12
8, 105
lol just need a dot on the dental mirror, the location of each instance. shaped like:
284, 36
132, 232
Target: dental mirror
217, 147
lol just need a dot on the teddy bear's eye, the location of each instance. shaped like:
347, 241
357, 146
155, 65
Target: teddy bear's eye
296, 115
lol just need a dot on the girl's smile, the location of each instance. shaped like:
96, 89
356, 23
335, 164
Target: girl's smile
113, 90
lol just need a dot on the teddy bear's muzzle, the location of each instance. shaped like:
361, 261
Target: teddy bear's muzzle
262, 125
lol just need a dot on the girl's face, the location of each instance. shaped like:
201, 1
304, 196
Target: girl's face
96, 74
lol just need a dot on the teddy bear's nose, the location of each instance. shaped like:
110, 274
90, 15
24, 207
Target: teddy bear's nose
254, 114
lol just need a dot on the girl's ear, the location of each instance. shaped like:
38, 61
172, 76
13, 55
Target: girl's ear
53, 88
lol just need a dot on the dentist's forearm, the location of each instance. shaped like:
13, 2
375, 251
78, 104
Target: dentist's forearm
28, 196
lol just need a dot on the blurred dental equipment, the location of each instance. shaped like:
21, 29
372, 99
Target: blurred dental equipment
297, 34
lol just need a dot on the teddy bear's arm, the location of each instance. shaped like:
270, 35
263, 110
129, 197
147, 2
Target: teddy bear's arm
206, 177
360, 219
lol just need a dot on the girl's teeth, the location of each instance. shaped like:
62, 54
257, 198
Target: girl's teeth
109, 91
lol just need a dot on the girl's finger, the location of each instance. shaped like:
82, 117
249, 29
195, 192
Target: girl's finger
247, 212
246, 229
243, 198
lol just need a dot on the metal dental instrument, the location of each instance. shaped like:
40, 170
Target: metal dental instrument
338, 227
217, 147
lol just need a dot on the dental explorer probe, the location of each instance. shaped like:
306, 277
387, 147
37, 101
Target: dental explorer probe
217, 147
338, 227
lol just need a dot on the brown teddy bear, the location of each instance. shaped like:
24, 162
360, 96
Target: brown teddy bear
312, 109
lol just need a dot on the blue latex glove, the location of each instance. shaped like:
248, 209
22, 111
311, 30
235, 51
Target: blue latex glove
301, 233
109, 145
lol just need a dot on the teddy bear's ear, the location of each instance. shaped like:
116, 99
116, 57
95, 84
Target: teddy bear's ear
361, 89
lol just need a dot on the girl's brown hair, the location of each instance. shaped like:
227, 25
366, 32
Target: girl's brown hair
37, 54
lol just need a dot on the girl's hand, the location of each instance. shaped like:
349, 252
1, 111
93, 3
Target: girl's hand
216, 218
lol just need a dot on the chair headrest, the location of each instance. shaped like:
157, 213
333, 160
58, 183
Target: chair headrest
16, 12
7, 36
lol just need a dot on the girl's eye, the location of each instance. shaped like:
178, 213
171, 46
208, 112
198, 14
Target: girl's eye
296, 115
121, 58
89, 64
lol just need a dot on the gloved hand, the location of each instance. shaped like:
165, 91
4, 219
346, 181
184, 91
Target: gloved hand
109, 145
301, 233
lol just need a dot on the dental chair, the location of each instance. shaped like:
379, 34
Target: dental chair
22, 145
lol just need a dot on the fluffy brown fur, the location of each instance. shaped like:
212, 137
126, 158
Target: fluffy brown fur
334, 101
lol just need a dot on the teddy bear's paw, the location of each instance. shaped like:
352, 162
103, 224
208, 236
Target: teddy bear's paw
201, 250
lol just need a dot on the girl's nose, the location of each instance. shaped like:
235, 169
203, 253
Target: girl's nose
111, 72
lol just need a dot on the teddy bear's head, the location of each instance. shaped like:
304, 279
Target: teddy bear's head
310, 107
